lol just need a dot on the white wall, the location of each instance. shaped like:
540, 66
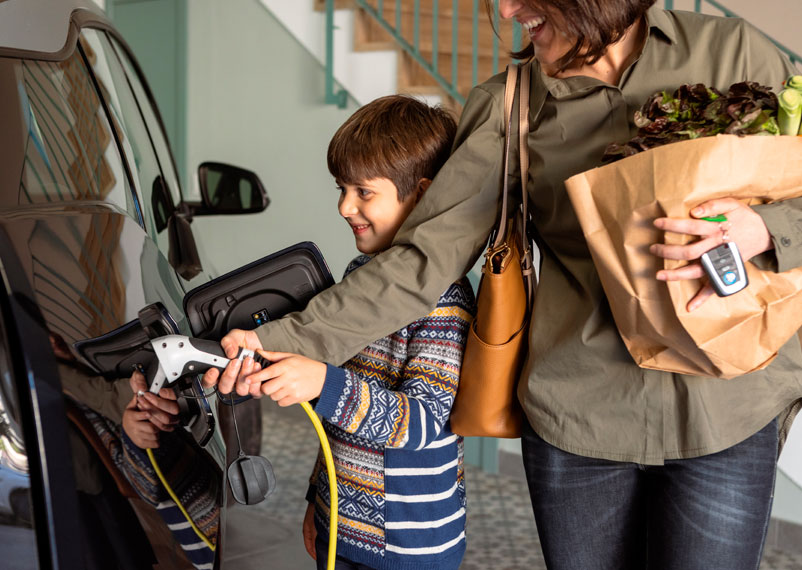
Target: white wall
255, 99
366, 75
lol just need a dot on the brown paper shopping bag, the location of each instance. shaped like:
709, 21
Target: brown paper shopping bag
616, 205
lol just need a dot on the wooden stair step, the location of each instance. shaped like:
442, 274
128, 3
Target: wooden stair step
370, 34
412, 75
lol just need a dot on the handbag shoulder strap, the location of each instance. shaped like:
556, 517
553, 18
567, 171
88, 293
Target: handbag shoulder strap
527, 266
509, 98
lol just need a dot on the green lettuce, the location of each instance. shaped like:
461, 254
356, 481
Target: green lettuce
694, 111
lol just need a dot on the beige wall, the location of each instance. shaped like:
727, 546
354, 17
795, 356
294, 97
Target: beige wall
779, 19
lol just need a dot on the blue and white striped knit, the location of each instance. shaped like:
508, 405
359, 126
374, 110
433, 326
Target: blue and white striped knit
399, 468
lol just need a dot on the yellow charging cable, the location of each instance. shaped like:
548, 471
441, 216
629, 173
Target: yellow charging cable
333, 508
177, 502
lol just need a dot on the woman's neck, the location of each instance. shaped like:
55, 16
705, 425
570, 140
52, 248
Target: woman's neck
618, 57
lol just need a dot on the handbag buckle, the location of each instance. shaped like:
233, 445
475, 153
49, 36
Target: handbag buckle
497, 258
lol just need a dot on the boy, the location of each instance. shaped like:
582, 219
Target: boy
399, 467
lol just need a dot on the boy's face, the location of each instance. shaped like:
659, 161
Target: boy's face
374, 213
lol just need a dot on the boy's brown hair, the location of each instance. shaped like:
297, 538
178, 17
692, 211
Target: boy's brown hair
595, 25
394, 137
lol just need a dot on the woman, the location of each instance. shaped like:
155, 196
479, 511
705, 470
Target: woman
627, 467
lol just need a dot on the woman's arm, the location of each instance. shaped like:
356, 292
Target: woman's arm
769, 235
410, 414
437, 245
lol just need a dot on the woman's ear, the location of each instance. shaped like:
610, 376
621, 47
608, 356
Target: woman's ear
423, 185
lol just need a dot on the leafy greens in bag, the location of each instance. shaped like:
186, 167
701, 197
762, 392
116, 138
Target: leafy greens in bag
694, 111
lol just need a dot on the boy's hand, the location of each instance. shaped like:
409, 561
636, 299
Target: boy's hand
136, 424
309, 531
162, 410
231, 344
146, 415
291, 378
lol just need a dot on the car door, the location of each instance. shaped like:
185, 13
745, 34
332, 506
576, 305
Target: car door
79, 263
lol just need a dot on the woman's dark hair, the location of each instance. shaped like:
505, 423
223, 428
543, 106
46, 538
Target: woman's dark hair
395, 137
596, 24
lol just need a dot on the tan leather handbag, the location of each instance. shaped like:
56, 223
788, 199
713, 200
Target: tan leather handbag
486, 402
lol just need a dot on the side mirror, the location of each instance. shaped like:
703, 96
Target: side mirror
227, 189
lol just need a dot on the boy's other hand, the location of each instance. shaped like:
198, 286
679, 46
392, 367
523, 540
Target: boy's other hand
162, 409
309, 531
137, 425
146, 415
291, 378
231, 343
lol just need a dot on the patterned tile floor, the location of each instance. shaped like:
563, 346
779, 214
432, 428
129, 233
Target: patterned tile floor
501, 529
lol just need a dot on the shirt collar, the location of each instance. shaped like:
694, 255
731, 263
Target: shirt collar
656, 19
659, 19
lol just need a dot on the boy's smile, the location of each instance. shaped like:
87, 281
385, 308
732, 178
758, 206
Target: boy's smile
373, 211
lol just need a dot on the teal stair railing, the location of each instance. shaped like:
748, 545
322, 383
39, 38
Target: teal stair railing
420, 29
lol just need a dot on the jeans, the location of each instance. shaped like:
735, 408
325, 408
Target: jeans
322, 550
710, 512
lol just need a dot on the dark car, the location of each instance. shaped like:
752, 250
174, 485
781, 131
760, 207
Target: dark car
97, 257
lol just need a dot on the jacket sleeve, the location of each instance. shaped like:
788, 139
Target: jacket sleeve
438, 244
768, 66
413, 414
108, 399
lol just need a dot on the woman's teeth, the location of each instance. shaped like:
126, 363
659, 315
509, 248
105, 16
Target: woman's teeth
533, 23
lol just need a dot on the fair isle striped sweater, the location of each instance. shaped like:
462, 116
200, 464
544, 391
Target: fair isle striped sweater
399, 468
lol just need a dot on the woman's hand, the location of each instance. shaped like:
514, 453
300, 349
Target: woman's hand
236, 371
309, 531
743, 226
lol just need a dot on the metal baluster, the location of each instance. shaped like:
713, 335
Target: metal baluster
416, 27
340, 98
454, 42
475, 42
435, 34
497, 32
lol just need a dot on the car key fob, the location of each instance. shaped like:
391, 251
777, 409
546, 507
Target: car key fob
725, 269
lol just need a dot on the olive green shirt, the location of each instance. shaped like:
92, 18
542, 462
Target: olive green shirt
580, 388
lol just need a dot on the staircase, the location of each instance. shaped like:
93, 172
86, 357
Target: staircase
461, 48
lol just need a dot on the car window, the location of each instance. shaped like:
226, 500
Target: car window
17, 536
152, 120
157, 202
69, 149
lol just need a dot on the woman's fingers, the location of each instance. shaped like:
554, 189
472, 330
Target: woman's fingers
690, 271
702, 296
716, 207
274, 356
210, 378
689, 226
686, 252
227, 379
